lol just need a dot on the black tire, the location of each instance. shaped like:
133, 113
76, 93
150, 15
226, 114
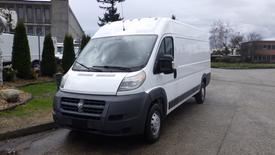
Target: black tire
152, 133
200, 96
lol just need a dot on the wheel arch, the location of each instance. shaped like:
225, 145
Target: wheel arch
159, 95
206, 78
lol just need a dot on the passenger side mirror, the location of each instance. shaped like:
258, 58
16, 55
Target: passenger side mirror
165, 64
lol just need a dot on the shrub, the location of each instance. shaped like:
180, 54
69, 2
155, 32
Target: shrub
8, 74
227, 59
35, 73
68, 54
21, 58
48, 63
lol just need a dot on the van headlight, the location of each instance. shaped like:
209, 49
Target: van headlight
63, 81
132, 82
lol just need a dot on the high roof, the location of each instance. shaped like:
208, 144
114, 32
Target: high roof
155, 26
135, 26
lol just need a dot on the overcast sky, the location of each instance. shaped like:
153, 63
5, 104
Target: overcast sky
244, 15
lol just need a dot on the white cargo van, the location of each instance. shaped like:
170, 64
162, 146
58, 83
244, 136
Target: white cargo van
35, 43
60, 49
131, 75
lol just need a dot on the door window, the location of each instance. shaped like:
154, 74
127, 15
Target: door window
169, 47
166, 48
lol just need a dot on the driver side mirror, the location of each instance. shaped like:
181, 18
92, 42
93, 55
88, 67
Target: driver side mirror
165, 64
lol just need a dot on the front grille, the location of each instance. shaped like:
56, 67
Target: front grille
82, 108
70, 100
80, 116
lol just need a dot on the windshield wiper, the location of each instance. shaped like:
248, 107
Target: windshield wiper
88, 68
115, 67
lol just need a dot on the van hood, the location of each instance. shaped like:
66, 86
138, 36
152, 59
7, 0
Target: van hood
93, 83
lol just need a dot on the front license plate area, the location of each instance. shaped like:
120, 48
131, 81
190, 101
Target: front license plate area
80, 124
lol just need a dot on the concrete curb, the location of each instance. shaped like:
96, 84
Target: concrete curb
28, 131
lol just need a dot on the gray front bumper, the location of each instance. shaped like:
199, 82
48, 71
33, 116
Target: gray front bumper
116, 115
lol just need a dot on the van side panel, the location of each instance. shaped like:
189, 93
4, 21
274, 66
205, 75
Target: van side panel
192, 61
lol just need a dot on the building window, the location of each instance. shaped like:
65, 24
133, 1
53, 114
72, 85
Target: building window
273, 57
47, 15
2, 6
39, 31
265, 47
21, 13
11, 7
47, 30
269, 47
30, 30
273, 47
29, 14
38, 15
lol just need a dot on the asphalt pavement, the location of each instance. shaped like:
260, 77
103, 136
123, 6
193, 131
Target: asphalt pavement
238, 118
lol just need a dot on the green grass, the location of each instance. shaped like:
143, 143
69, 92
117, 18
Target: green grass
242, 65
42, 100
40, 89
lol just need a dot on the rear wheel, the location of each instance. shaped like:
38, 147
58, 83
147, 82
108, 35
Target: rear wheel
200, 96
153, 124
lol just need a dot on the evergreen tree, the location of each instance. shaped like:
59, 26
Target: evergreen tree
111, 14
21, 58
68, 54
84, 41
48, 63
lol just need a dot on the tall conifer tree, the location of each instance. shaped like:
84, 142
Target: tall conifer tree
111, 14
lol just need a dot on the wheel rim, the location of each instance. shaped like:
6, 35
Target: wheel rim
155, 123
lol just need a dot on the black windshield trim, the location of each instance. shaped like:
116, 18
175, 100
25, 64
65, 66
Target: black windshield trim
115, 67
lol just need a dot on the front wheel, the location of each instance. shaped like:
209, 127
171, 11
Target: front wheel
153, 124
200, 96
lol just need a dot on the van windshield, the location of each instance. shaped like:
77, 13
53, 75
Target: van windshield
116, 54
